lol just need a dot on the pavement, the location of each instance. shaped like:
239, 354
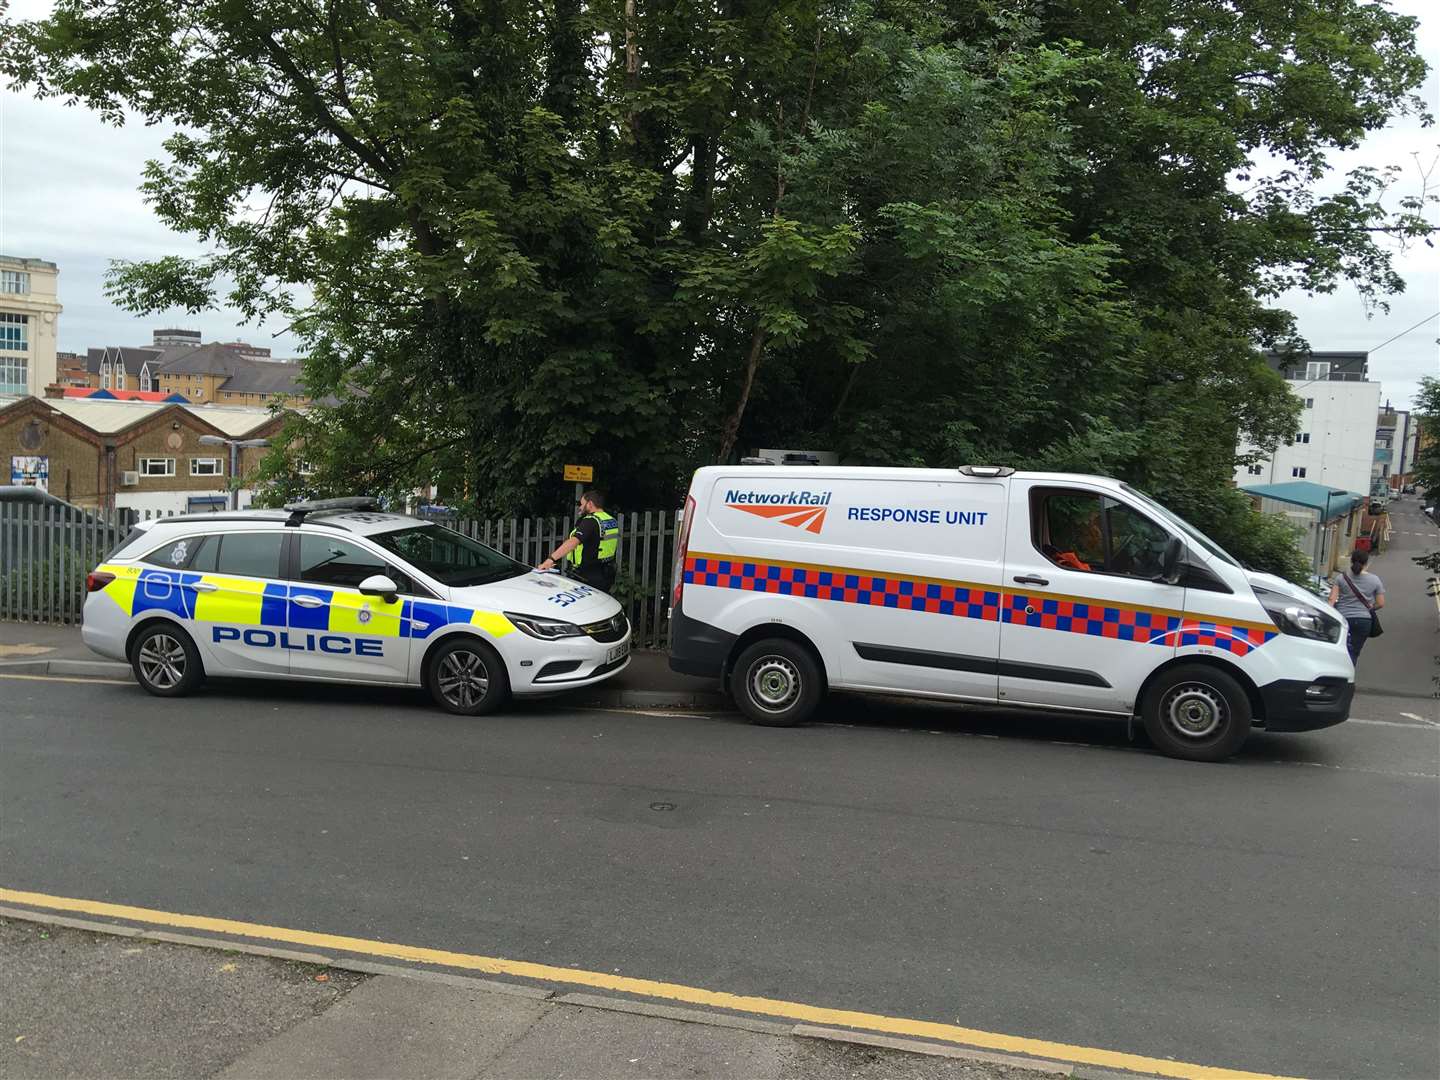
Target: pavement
105, 1001
1396, 662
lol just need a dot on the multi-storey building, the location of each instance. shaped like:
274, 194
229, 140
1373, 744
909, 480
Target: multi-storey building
1335, 445
29, 318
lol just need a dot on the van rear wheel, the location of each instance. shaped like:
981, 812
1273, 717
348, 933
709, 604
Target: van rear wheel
1197, 713
776, 683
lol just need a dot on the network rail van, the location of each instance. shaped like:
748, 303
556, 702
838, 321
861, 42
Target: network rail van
983, 584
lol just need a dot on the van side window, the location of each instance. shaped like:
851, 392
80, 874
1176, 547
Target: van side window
1067, 529
1089, 532
1137, 544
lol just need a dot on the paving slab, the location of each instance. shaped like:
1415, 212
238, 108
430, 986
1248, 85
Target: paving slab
79, 1004
393, 1027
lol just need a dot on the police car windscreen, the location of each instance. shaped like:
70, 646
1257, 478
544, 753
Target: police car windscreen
448, 556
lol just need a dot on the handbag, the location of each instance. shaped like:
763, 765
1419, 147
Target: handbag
1375, 628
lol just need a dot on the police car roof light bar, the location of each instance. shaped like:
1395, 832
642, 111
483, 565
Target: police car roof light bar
299, 510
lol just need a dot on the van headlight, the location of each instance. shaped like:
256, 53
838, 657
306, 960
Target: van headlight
1298, 618
537, 626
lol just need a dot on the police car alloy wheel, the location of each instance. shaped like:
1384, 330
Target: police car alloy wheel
165, 661
776, 683
468, 678
1197, 712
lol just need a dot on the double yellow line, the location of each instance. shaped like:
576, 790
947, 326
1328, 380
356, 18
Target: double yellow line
493, 965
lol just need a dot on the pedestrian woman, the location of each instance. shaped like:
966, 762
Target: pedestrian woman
1357, 596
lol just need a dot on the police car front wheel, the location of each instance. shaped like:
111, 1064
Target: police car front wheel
165, 661
467, 678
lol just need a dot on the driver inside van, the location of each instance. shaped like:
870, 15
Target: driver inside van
1076, 540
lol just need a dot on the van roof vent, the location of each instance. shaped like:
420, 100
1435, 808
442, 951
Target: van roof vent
986, 470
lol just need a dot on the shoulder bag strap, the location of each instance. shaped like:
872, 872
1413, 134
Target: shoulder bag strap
1353, 589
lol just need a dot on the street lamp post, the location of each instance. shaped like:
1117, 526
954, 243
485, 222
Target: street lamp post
235, 445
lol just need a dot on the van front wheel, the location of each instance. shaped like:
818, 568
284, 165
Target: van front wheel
1197, 713
776, 683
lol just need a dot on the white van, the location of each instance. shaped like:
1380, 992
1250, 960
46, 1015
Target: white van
982, 584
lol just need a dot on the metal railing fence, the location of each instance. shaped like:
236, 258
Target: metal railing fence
46, 551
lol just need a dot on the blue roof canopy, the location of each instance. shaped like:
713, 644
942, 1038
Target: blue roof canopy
1337, 502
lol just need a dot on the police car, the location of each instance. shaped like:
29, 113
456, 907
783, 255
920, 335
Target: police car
339, 590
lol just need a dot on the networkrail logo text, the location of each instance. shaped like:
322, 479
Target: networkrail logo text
798, 509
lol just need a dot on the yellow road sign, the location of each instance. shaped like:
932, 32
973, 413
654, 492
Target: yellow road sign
581, 474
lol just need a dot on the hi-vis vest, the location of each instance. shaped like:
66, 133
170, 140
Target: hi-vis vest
609, 539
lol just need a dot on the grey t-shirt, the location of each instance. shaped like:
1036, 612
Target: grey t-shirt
1369, 586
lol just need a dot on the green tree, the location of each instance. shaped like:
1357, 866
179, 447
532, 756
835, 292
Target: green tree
647, 233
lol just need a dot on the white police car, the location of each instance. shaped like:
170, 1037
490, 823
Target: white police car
339, 590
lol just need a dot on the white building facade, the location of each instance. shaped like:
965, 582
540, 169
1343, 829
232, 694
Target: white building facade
1335, 443
29, 324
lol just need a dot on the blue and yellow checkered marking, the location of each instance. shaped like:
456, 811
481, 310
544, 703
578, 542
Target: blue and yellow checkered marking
252, 602
966, 601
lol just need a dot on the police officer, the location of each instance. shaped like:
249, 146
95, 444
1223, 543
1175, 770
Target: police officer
593, 546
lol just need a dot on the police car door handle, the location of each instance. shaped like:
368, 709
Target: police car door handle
307, 601
205, 586
1031, 579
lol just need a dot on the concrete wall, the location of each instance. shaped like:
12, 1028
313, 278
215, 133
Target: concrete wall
1340, 453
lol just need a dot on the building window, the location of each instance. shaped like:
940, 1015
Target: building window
1256, 470
14, 332
1309, 403
1298, 472
157, 466
206, 466
304, 468
14, 281
1317, 369
14, 375
1303, 437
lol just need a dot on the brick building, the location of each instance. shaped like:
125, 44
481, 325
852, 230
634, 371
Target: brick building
230, 373
138, 455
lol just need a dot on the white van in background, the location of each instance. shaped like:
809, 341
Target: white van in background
981, 584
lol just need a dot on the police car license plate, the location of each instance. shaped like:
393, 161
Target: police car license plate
618, 652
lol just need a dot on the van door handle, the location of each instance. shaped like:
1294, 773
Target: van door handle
205, 586
307, 601
1031, 579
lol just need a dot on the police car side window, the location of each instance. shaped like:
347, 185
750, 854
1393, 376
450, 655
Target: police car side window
328, 560
250, 554
1067, 529
177, 554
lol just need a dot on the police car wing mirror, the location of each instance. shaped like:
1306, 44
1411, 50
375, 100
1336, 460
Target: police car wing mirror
1170, 561
381, 586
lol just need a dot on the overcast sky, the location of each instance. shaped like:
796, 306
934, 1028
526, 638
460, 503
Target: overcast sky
69, 194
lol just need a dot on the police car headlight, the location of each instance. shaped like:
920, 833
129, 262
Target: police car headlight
1301, 620
546, 629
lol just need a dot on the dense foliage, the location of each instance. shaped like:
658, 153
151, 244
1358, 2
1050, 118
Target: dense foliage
649, 234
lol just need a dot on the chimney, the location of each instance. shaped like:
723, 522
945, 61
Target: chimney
54, 390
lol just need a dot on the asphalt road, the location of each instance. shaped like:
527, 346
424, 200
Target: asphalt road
1030, 876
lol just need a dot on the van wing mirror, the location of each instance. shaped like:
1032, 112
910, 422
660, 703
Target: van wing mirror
381, 586
1170, 561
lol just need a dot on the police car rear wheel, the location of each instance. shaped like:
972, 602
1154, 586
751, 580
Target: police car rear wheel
776, 683
1197, 713
166, 662
468, 678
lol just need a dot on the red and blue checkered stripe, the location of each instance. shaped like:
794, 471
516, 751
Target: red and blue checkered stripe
970, 602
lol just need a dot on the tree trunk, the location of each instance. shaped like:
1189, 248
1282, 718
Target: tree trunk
731, 430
